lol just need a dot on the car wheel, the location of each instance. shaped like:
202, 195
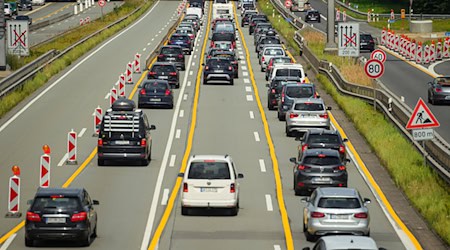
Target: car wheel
101, 162
269, 106
262, 69
183, 68
184, 211
368, 234
86, 241
288, 134
429, 99
234, 211
231, 82
433, 102
29, 242
309, 237
145, 162
267, 78
94, 234
177, 85
280, 117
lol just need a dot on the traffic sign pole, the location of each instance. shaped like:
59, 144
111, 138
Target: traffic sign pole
374, 69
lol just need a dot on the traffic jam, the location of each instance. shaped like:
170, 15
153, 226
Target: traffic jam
124, 134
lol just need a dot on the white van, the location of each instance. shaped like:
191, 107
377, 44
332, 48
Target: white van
210, 181
195, 11
289, 69
222, 10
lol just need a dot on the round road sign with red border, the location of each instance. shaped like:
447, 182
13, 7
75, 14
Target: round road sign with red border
101, 3
379, 55
374, 68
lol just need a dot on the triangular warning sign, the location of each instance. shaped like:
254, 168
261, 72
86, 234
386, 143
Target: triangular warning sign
422, 117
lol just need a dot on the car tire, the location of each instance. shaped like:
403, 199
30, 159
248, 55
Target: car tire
368, 234
231, 82
269, 106
29, 242
262, 69
86, 241
183, 68
309, 237
234, 211
177, 86
100, 162
280, 117
184, 211
94, 233
288, 134
145, 162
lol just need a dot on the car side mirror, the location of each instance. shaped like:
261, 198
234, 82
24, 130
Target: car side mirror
293, 160
306, 74
95, 202
367, 201
304, 199
152, 127
345, 140
430, 83
180, 175
29, 202
329, 108
347, 160
317, 96
237, 39
238, 58
240, 176
203, 64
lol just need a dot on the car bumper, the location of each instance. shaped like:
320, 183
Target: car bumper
56, 233
310, 185
155, 101
367, 47
315, 227
213, 76
441, 97
121, 156
302, 127
208, 203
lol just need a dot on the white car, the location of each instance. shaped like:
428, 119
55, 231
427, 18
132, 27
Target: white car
7, 9
345, 242
210, 181
37, 2
269, 52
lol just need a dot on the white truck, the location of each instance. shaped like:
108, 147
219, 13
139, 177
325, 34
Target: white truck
222, 10
195, 11
300, 5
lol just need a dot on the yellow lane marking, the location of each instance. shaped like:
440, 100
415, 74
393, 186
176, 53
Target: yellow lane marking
170, 204
273, 156
374, 184
54, 12
40, 8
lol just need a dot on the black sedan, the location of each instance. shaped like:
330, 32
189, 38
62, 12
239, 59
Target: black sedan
155, 93
439, 90
218, 69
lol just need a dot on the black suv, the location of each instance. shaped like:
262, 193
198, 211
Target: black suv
322, 138
182, 40
61, 214
173, 54
312, 15
255, 20
275, 87
124, 134
165, 71
230, 55
318, 168
366, 42
218, 69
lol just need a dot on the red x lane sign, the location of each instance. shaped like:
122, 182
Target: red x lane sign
348, 39
17, 37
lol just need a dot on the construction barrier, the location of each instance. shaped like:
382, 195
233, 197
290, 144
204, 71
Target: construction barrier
446, 50
338, 15
44, 173
426, 56
129, 73
137, 63
14, 194
72, 148
98, 115
412, 51
408, 48
419, 53
383, 36
439, 50
121, 85
396, 43
432, 52
112, 96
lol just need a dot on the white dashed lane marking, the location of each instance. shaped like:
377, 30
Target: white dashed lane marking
82, 132
172, 160
262, 165
256, 135
165, 197
269, 203
249, 98
185, 97
248, 89
245, 73
181, 113
246, 80
189, 83
252, 116
178, 134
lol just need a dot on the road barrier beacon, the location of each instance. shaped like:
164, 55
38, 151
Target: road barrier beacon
112, 96
419, 53
97, 120
14, 194
439, 50
129, 73
121, 85
137, 63
412, 51
432, 52
44, 171
383, 36
426, 54
72, 148
446, 50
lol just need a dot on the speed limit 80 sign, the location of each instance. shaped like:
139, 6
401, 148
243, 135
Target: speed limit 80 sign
374, 68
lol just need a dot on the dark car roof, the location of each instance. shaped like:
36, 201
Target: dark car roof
324, 151
59, 191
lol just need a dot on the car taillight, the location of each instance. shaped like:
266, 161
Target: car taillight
325, 116
273, 91
185, 187
361, 215
33, 217
317, 215
230, 68
340, 168
341, 149
172, 73
100, 142
167, 92
188, 42
303, 167
142, 92
263, 59
191, 36
79, 217
282, 97
143, 142
151, 73
160, 55
206, 67
232, 188
212, 44
371, 41
293, 115
438, 90
304, 147
233, 45
180, 55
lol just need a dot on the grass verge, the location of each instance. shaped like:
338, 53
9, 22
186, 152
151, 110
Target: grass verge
11, 100
423, 187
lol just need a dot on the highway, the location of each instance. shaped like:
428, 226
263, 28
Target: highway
228, 120
411, 85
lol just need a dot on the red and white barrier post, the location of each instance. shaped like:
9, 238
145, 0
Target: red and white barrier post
338, 15
446, 50
397, 43
72, 148
98, 115
121, 85
383, 36
112, 96
419, 54
426, 54
390, 39
439, 50
344, 16
408, 47
412, 51
14, 194
129, 73
137, 63
400, 45
432, 52
368, 16
44, 171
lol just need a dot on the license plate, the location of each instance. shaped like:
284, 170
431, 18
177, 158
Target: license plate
122, 142
447, 97
208, 189
322, 179
219, 70
163, 77
170, 59
155, 99
56, 220
363, 43
339, 216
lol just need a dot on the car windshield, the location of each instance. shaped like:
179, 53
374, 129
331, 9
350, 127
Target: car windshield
55, 202
222, 45
155, 85
209, 170
172, 50
323, 138
443, 81
179, 38
321, 161
302, 92
337, 202
307, 106
165, 68
183, 31
271, 40
274, 52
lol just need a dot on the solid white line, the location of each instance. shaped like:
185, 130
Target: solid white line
181, 113
246, 80
249, 98
269, 203
262, 165
165, 197
82, 132
178, 134
61, 162
29, 104
276, 247
256, 134
107, 95
245, 73
189, 83
248, 89
162, 169
185, 97
252, 116
8, 242
172, 160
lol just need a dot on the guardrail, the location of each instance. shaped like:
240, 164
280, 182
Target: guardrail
51, 21
437, 151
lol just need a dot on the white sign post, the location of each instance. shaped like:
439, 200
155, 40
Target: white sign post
348, 39
18, 34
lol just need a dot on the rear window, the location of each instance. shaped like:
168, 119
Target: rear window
209, 170
155, 85
443, 81
289, 72
301, 92
271, 41
171, 50
321, 161
248, 6
223, 36
165, 68
216, 62
42, 203
184, 31
224, 27
223, 11
309, 107
281, 60
179, 38
274, 52
339, 203
324, 138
